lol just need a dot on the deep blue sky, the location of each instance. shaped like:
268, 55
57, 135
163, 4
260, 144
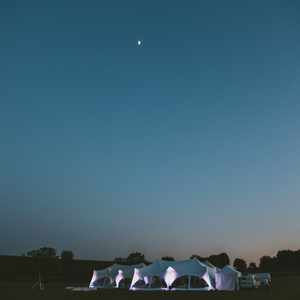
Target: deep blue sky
188, 144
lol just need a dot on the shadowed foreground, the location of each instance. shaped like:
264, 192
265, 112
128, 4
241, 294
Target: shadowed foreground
283, 288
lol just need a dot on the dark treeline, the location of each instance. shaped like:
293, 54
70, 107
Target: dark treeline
65, 268
284, 261
53, 267
22, 268
218, 260
132, 259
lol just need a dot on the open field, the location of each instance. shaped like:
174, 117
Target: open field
283, 288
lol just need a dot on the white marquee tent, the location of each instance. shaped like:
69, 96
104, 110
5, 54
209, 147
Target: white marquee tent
227, 279
191, 267
157, 268
114, 274
169, 271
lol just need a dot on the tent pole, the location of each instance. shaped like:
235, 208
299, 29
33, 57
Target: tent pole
189, 283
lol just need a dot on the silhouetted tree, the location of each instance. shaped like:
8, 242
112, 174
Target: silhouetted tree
44, 261
252, 267
240, 265
286, 260
67, 264
67, 256
297, 259
43, 252
219, 260
168, 258
121, 260
135, 258
266, 263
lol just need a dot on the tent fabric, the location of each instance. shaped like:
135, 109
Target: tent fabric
127, 270
227, 279
115, 273
145, 273
157, 268
97, 276
119, 278
124, 272
171, 270
190, 267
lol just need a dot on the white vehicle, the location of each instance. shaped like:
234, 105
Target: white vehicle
263, 279
247, 281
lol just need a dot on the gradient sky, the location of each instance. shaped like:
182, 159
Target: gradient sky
188, 144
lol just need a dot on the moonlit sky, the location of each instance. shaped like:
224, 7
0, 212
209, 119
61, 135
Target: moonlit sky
188, 144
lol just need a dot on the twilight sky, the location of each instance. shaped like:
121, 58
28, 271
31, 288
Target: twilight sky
188, 144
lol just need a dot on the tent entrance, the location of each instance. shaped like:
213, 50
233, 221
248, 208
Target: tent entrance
157, 282
189, 282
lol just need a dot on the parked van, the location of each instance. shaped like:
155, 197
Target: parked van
248, 281
263, 279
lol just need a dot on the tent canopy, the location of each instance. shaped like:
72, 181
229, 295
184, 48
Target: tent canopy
227, 279
127, 270
115, 273
189, 267
169, 271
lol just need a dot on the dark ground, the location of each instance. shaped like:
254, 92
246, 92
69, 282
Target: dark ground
283, 288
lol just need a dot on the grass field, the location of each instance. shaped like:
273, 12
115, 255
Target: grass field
282, 288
